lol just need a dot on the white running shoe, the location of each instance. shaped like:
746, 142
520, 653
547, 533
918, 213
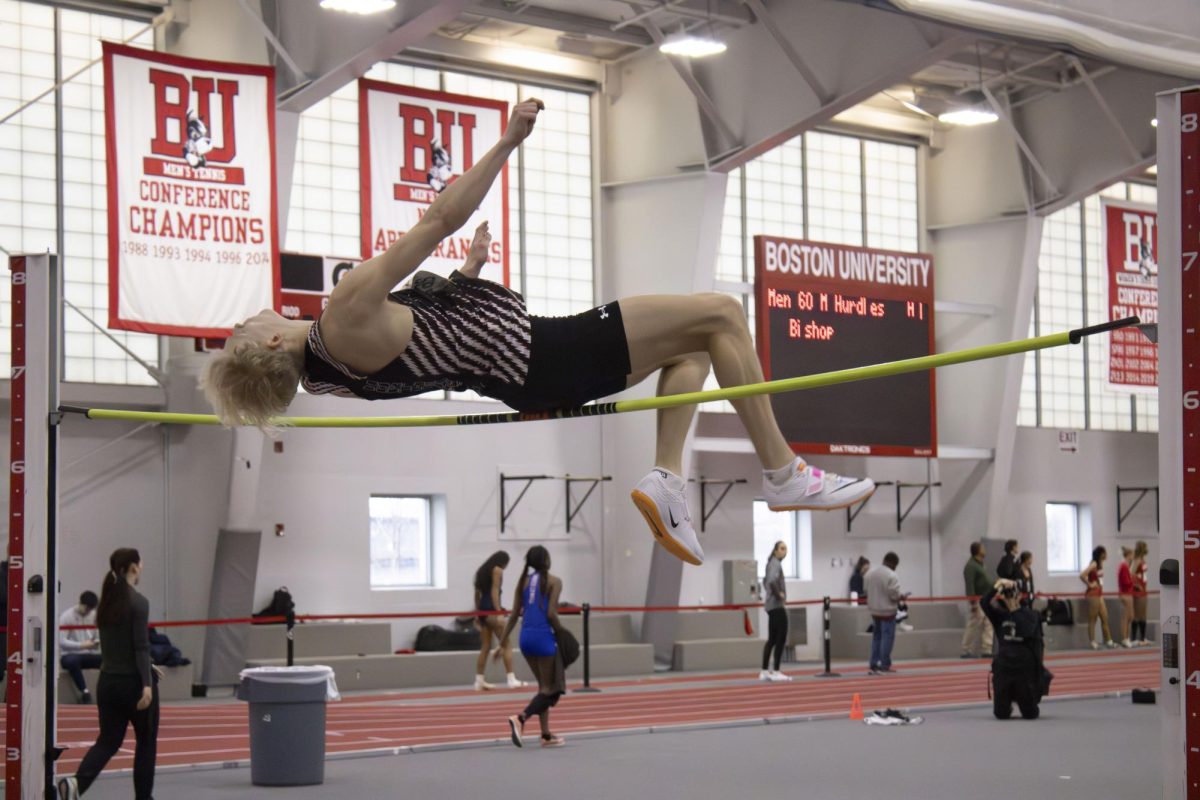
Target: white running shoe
779, 677
481, 685
1095, 645
1110, 644
516, 683
764, 675
665, 508
812, 489
1126, 643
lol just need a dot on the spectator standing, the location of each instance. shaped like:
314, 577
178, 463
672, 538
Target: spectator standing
977, 638
883, 600
1024, 579
1007, 568
1140, 551
80, 648
774, 601
858, 588
1125, 593
1093, 577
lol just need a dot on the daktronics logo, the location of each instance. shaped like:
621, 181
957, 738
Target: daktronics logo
428, 163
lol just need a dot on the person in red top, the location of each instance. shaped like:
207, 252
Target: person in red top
1093, 578
1125, 592
1140, 551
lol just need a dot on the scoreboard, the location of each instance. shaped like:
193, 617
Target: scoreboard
823, 307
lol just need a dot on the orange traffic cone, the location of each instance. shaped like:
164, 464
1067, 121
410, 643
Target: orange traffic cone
856, 711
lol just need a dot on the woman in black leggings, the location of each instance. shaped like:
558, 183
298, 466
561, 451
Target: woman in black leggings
126, 690
774, 598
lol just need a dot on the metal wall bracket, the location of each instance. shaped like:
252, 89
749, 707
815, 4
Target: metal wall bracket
903, 515
705, 511
507, 510
852, 511
1142, 491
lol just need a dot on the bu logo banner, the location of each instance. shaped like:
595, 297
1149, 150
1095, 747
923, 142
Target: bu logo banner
192, 232
1131, 261
413, 143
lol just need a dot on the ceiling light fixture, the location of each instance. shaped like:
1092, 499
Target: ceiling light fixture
973, 109
690, 45
362, 7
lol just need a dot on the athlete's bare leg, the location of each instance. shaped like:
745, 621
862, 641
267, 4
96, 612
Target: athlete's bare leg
667, 332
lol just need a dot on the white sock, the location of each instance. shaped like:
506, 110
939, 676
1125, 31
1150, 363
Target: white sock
778, 477
674, 482
479, 679
512, 677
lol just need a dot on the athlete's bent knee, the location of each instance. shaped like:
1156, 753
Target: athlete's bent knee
724, 311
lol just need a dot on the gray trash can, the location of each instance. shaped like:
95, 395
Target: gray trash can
287, 723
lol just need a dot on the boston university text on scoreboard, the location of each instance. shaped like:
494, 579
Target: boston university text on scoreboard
826, 307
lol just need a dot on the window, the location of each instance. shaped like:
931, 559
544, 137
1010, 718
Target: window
827, 187
402, 542
552, 174
1065, 387
1068, 537
29, 210
791, 527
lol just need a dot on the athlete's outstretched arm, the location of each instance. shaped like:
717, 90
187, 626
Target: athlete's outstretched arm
367, 285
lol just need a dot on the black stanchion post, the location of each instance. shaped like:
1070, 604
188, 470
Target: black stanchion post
825, 642
587, 650
291, 639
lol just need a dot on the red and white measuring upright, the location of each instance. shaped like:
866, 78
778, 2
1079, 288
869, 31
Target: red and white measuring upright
1179, 433
32, 572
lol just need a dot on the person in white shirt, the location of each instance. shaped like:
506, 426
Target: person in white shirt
80, 648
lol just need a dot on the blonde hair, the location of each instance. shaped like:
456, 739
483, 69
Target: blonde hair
248, 384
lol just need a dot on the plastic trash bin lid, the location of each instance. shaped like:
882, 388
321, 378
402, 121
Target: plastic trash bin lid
302, 675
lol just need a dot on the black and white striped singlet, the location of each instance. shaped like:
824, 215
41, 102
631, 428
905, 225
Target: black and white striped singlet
476, 338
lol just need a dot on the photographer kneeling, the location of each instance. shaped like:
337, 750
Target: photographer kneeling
1017, 670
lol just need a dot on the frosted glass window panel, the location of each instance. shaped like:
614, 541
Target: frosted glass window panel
401, 542
1063, 538
835, 198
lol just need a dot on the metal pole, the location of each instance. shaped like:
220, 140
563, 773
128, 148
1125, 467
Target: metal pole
587, 650
291, 638
828, 673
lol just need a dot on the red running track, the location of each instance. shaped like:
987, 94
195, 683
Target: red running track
198, 735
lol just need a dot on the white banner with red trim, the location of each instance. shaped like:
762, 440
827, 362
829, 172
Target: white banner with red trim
413, 143
193, 239
1131, 283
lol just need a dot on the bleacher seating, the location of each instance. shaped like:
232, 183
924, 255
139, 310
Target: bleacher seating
614, 652
176, 684
711, 640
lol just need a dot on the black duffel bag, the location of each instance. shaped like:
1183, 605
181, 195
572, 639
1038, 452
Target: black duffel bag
433, 638
1058, 612
568, 647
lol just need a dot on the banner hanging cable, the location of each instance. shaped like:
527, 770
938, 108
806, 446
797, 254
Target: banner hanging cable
648, 403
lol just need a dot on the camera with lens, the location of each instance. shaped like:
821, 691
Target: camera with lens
1009, 591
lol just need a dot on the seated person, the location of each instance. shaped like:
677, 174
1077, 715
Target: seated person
1018, 674
80, 649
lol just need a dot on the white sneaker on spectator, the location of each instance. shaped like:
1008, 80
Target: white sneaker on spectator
515, 683
1126, 643
660, 497
779, 677
481, 685
764, 675
810, 488
1110, 644
1095, 645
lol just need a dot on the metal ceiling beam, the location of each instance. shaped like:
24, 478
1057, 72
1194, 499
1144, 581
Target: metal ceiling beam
707, 106
408, 33
1106, 109
273, 40
1008, 121
724, 12
560, 21
806, 72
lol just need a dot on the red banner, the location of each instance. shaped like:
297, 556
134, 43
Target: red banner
1131, 258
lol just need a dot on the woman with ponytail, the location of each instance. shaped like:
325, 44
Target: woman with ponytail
536, 604
126, 691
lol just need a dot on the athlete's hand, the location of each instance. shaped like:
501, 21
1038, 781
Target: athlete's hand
147, 698
520, 124
477, 256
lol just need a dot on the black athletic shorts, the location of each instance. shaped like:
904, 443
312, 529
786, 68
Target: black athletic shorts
574, 360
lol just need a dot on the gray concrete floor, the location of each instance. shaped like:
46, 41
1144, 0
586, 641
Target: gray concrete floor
1088, 749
